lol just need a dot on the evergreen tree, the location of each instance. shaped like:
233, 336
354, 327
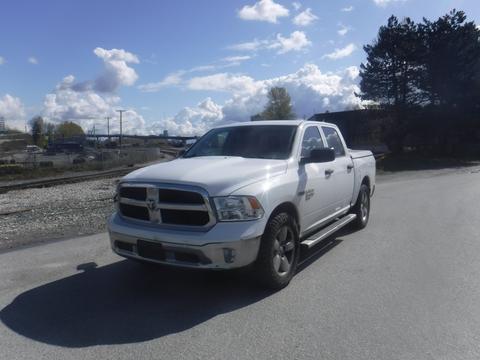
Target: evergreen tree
392, 73
451, 60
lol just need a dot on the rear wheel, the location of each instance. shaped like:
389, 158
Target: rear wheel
279, 251
362, 208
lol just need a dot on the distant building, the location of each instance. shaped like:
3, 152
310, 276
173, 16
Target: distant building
2, 124
165, 132
362, 129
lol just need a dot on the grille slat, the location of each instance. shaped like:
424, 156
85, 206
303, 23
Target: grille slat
184, 217
135, 212
179, 197
135, 193
166, 205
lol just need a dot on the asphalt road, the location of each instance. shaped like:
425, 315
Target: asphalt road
406, 287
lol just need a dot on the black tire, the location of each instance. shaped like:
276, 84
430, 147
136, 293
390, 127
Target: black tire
279, 252
362, 208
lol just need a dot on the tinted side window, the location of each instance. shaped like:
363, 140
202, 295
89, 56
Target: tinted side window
333, 140
311, 140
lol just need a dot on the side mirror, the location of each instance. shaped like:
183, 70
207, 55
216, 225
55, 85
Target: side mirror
319, 156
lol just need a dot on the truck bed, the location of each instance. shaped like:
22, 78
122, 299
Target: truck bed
357, 154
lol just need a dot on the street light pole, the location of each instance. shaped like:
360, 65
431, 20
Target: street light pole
108, 127
120, 139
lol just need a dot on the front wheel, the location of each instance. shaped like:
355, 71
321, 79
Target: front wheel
279, 251
362, 208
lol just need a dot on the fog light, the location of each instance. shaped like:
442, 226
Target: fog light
229, 255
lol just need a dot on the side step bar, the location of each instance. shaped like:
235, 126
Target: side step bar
314, 239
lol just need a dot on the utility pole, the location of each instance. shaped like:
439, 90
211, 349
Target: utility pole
108, 126
120, 139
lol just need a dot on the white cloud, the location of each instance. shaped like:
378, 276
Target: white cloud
297, 41
347, 9
87, 108
249, 45
343, 30
190, 120
169, 80
310, 90
224, 82
352, 72
2, 60
33, 60
384, 3
203, 68
117, 72
89, 102
177, 78
341, 53
237, 58
296, 5
263, 10
305, 18
13, 111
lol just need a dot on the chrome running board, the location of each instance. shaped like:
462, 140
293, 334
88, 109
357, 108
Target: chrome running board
314, 239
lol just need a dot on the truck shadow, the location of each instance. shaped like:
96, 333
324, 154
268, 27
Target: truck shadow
126, 302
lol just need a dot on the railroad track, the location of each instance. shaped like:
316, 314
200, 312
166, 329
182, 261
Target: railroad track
74, 178
65, 180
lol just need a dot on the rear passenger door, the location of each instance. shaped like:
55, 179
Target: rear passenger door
342, 174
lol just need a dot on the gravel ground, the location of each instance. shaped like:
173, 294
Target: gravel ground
35, 215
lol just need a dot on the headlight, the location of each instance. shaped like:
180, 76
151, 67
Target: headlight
238, 208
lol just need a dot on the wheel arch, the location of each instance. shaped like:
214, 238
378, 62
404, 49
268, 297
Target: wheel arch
289, 208
366, 181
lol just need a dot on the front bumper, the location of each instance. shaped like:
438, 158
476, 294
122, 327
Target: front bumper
237, 247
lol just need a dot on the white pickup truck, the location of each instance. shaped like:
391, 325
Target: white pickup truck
247, 194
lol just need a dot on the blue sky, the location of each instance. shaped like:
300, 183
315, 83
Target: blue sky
187, 65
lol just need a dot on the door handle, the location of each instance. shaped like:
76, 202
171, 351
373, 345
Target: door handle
329, 172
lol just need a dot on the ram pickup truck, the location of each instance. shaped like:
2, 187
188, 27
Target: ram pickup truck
245, 195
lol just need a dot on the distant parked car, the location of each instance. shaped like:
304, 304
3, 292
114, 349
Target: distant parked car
34, 149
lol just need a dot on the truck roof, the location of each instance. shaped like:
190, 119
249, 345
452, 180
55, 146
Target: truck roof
272, 122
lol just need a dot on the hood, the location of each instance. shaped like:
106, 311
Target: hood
219, 175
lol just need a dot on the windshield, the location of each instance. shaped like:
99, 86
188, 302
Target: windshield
256, 141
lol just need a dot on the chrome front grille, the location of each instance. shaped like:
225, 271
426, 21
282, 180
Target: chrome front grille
166, 205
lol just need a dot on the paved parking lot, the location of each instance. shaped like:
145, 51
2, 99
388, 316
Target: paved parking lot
406, 287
